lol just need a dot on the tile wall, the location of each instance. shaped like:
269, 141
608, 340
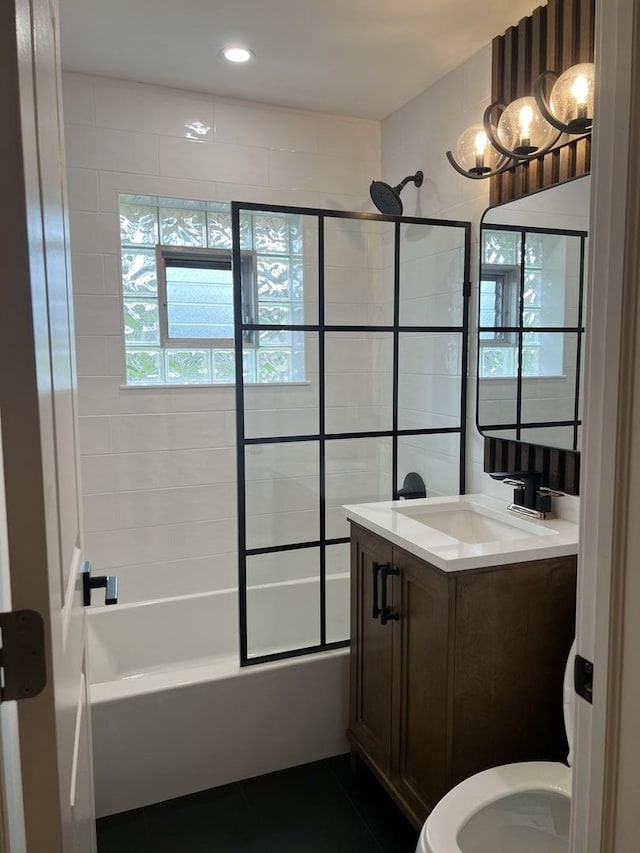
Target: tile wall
158, 465
417, 137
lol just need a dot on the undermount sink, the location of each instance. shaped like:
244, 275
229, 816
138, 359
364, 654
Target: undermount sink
472, 524
461, 532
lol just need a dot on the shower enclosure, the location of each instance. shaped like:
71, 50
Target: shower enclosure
351, 363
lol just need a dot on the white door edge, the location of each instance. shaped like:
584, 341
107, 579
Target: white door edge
72, 582
12, 806
606, 308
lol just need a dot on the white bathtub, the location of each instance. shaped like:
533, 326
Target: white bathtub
173, 712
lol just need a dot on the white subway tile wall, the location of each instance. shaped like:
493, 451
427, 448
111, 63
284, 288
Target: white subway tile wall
416, 137
158, 465
159, 447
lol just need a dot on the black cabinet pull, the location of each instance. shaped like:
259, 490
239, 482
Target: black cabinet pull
375, 569
387, 615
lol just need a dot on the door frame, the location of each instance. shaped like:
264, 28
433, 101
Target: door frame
607, 748
39, 439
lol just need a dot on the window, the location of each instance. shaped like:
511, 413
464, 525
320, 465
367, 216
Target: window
498, 313
195, 289
177, 287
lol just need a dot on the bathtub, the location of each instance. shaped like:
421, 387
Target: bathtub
170, 718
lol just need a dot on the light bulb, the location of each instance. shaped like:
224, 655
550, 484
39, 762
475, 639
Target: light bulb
522, 128
480, 146
474, 153
580, 90
571, 99
481, 143
526, 118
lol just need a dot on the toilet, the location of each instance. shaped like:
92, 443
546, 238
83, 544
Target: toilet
516, 808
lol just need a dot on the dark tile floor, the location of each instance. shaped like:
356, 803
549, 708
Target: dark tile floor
317, 808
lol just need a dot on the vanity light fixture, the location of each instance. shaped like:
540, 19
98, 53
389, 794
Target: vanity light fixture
237, 54
528, 127
570, 105
521, 131
476, 157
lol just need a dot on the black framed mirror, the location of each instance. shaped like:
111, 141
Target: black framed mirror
532, 297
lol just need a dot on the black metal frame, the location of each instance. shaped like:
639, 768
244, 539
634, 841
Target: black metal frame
322, 328
521, 330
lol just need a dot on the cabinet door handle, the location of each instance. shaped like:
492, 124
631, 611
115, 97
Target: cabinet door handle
387, 615
375, 569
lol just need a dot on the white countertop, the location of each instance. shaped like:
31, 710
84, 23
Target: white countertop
558, 538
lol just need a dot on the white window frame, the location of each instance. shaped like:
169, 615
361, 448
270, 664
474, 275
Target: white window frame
202, 259
508, 279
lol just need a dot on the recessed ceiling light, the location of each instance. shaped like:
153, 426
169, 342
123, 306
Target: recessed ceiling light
237, 54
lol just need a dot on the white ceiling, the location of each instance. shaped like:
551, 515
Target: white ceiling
355, 57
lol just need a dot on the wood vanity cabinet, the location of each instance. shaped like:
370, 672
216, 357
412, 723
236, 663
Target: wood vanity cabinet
466, 673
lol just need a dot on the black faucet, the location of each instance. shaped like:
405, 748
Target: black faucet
527, 492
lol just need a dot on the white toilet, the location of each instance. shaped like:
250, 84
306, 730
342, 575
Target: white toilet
516, 808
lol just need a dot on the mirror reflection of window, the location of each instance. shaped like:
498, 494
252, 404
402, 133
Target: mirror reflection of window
530, 280
530, 315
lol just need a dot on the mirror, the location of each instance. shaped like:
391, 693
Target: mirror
533, 255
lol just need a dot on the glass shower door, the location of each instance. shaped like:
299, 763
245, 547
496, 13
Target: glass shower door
350, 372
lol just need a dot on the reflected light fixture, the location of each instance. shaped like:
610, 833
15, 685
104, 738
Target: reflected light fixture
196, 129
237, 54
570, 105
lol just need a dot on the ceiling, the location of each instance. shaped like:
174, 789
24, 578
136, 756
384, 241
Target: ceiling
361, 58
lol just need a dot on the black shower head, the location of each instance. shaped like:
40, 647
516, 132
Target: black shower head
387, 198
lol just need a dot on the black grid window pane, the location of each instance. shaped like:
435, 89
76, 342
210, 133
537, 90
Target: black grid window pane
283, 601
282, 493
549, 377
358, 369
551, 436
337, 592
429, 380
431, 276
552, 284
281, 385
435, 457
529, 360
497, 401
307, 446
357, 470
358, 272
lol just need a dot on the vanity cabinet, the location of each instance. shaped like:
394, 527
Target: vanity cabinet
462, 672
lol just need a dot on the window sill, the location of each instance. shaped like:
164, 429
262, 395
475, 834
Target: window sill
219, 385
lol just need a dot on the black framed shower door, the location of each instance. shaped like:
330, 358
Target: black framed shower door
350, 386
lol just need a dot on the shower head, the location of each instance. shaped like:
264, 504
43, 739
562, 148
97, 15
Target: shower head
387, 198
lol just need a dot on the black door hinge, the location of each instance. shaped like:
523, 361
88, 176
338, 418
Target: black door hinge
583, 678
23, 670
